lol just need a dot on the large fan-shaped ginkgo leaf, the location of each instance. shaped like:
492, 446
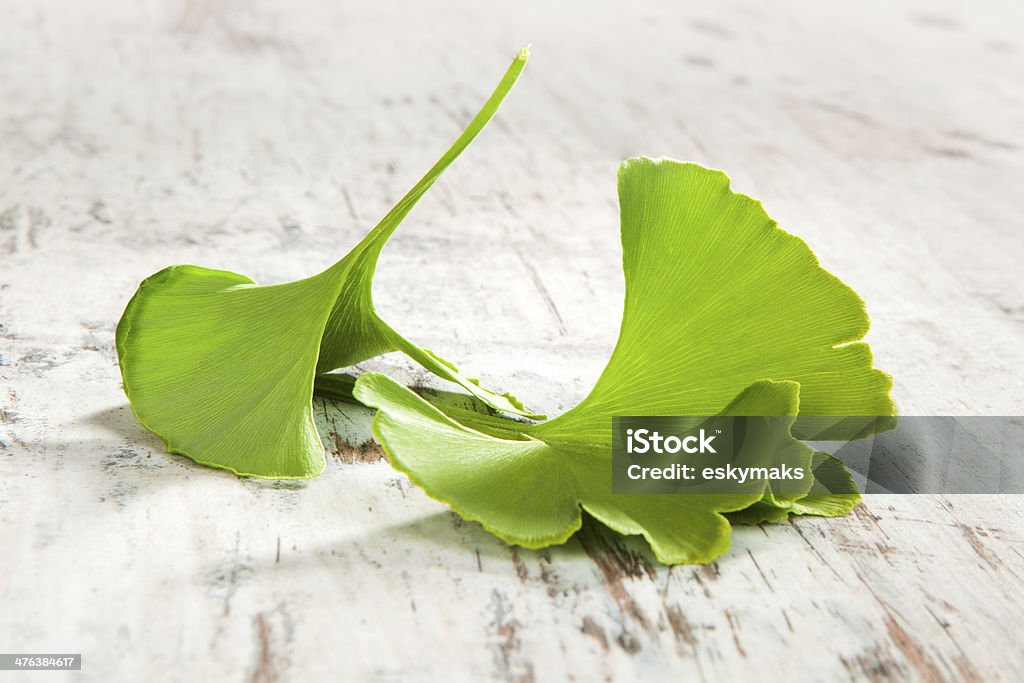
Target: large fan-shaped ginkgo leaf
720, 303
222, 370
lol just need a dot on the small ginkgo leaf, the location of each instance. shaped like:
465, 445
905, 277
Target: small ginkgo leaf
718, 301
222, 370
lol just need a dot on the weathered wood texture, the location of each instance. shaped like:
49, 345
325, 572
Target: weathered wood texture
265, 137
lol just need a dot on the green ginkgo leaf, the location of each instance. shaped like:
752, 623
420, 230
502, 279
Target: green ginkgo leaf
222, 370
718, 299
530, 490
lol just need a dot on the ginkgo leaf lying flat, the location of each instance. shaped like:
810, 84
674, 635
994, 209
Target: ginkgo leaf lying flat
530, 491
717, 299
222, 370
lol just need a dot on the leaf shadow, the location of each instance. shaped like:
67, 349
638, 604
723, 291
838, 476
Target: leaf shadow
120, 421
135, 459
593, 555
615, 555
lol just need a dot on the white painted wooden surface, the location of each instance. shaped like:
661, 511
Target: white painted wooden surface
265, 137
